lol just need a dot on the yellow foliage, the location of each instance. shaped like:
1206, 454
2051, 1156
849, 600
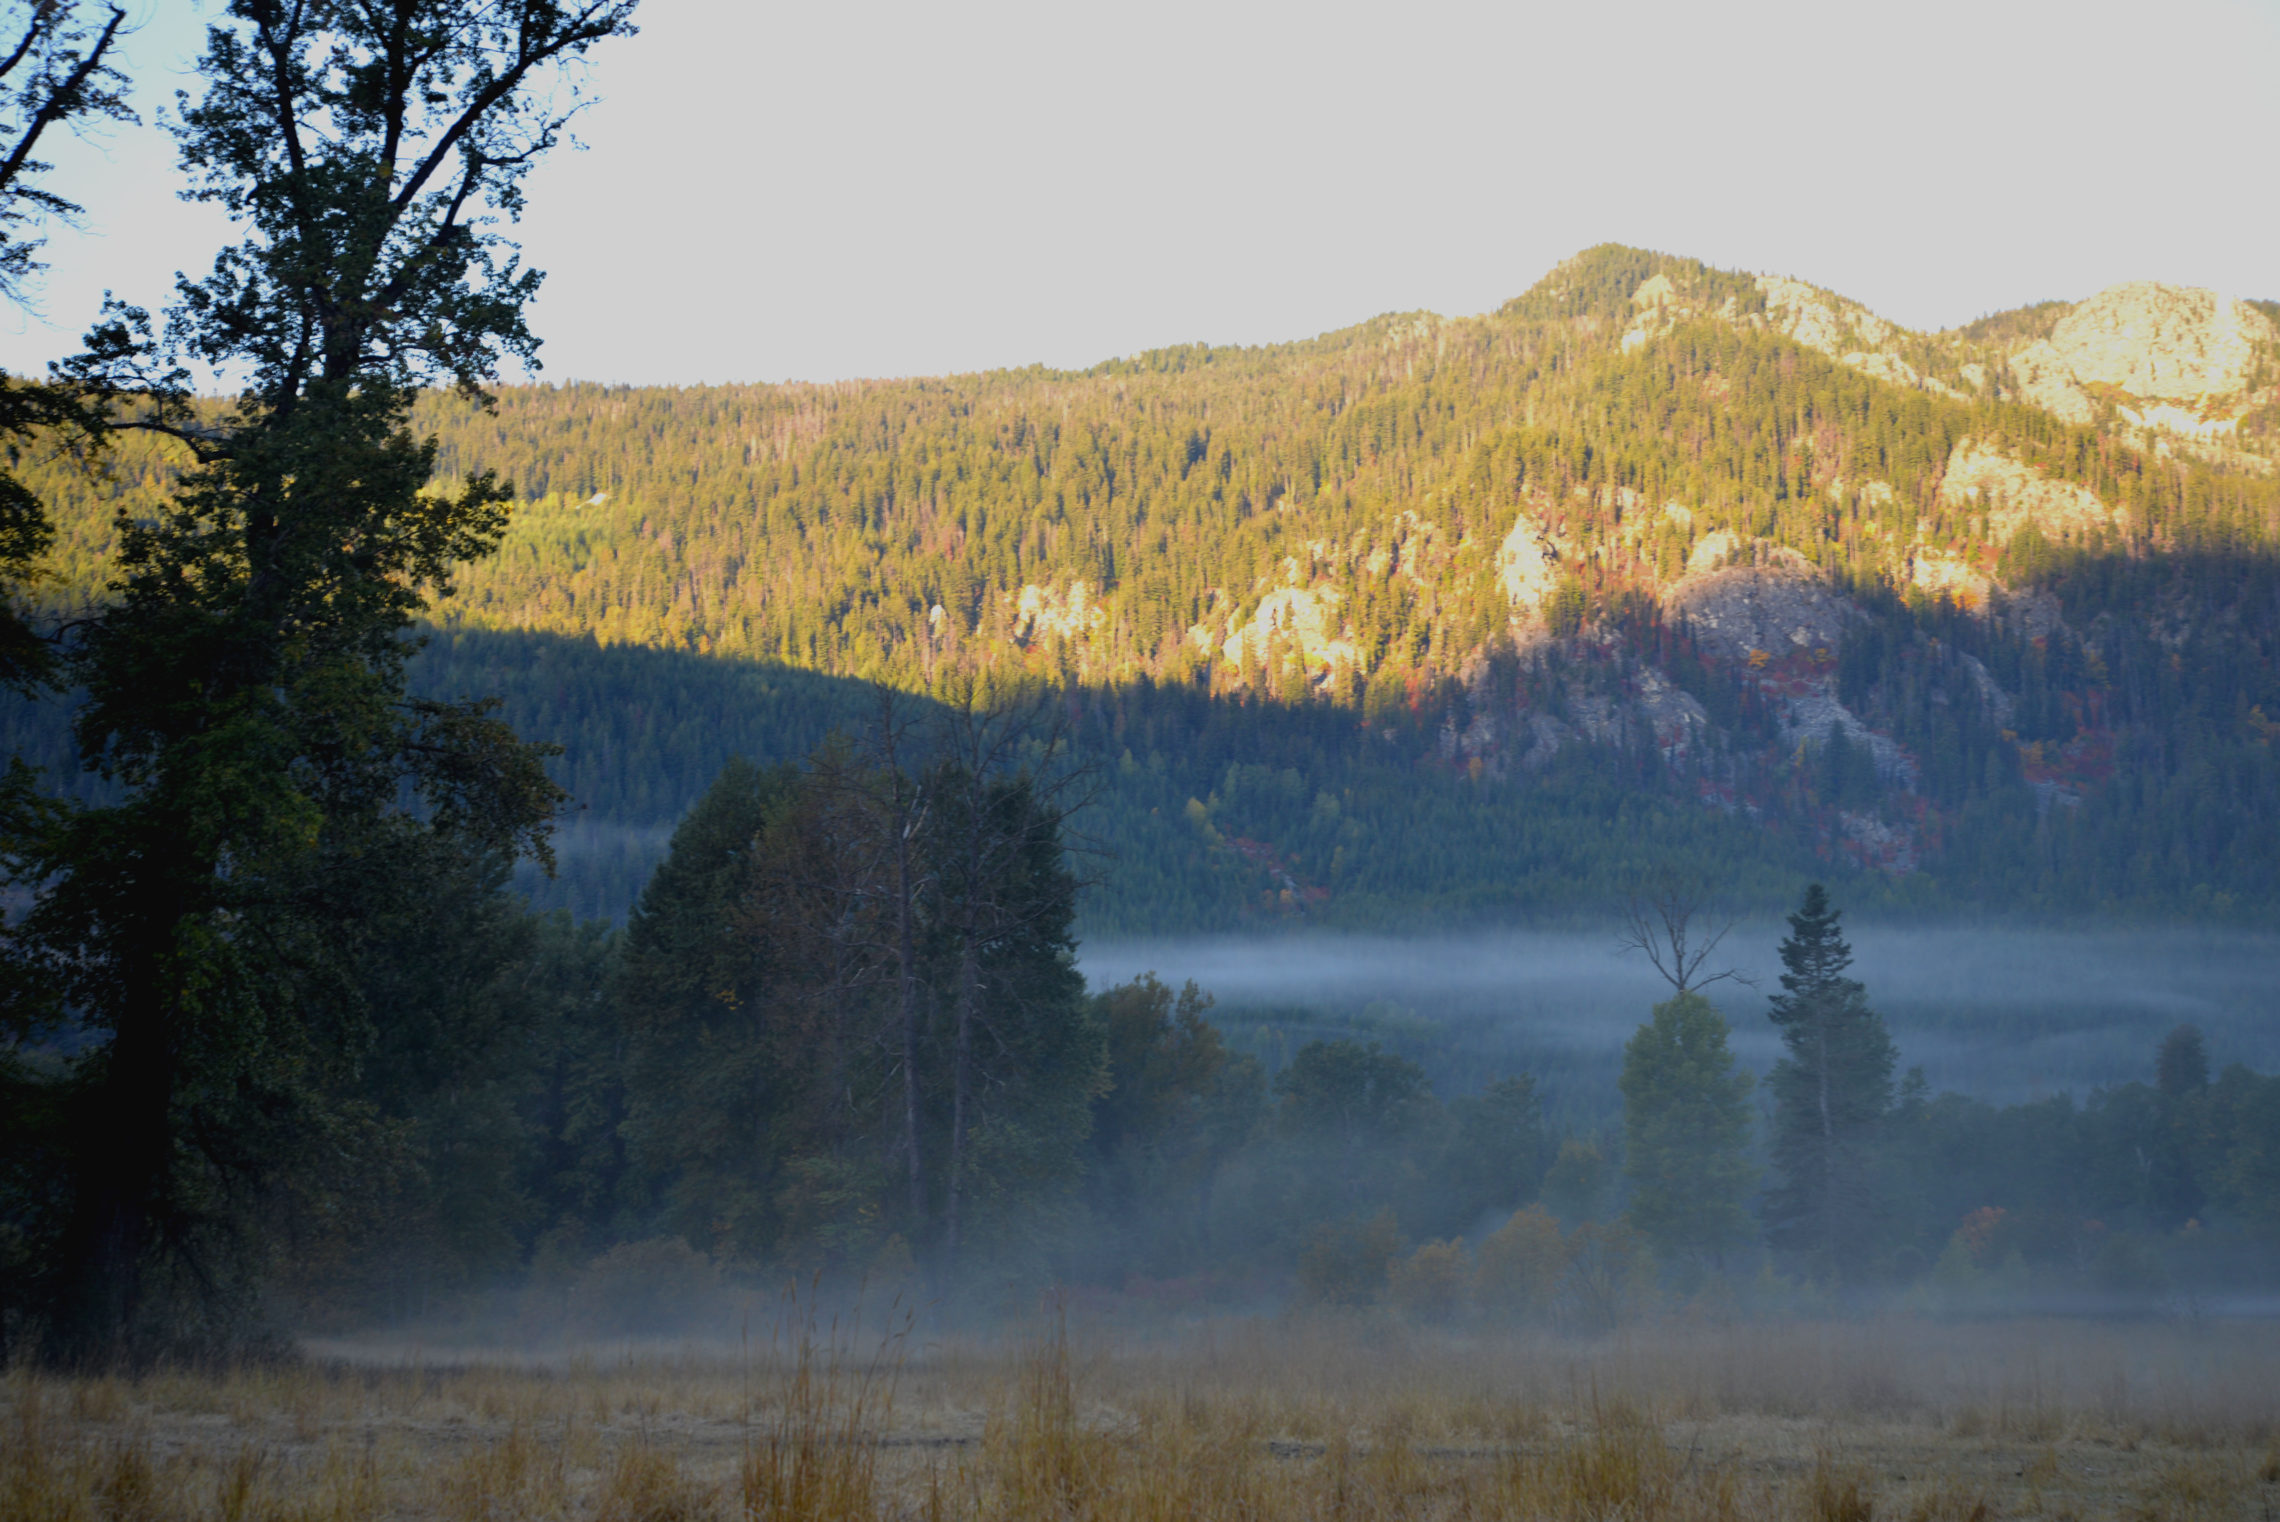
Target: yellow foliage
1519, 1267
1429, 1284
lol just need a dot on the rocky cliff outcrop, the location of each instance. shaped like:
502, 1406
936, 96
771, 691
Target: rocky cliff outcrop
1528, 566
1982, 479
1306, 623
1775, 609
2170, 357
1048, 612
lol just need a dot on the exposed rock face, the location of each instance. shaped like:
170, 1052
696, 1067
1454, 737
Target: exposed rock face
2042, 377
1413, 548
2162, 341
1813, 713
1657, 713
1844, 330
1042, 611
2172, 358
1981, 478
1660, 303
1780, 608
1819, 320
1309, 623
1527, 565
1712, 550
1677, 719
1957, 580
2186, 356
1885, 367
1878, 844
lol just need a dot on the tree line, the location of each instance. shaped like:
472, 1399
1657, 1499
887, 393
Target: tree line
732, 1077
274, 1022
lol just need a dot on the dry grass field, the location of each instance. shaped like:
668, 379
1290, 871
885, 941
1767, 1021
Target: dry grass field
1260, 1419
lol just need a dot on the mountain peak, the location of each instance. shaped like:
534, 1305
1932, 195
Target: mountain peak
2176, 357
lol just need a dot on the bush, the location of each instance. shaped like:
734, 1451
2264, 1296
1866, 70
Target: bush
651, 1288
1345, 1262
1576, 1186
1518, 1269
2130, 1269
1429, 1285
1610, 1277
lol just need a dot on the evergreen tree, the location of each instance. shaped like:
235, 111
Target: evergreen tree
2181, 1079
1686, 1127
2181, 1070
708, 1074
1496, 1148
1575, 1186
1163, 1057
574, 1102
1830, 1094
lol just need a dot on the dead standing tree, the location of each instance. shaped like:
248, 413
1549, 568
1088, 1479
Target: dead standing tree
901, 809
1663, 921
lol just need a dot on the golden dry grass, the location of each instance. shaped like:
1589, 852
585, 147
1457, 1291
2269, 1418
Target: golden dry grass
1356, 1417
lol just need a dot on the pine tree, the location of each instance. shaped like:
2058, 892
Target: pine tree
1830, 1095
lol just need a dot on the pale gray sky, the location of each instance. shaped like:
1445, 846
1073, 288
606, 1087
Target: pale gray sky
885, 187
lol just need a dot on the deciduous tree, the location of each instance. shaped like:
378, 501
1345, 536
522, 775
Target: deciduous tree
1686, 1125
245, 694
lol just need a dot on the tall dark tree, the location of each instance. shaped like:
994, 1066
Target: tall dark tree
57, 71
245, 688
2173, 1192
2181, 1069
1163, 1057
1025, 1059
1497, 1149
1830, 1095
1006, 910
695, 997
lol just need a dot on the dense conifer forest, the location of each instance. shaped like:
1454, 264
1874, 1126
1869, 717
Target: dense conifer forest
1314, 602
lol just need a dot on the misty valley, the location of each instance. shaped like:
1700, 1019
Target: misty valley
1999, 1015
1661, 902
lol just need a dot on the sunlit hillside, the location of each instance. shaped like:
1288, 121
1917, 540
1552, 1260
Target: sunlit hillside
1653, 557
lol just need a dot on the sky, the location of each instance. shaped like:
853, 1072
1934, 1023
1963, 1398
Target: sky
773, 191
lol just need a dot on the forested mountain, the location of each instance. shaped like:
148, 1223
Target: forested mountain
1656, 562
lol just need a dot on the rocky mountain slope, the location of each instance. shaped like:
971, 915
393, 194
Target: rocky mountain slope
1912, 598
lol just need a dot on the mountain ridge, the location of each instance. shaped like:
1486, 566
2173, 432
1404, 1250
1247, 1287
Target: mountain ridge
1765, 551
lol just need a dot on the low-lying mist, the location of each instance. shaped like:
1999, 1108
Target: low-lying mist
2000, 1015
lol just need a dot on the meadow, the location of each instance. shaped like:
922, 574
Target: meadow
1259, 1418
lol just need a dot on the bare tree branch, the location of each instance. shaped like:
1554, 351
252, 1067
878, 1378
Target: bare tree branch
1662, 920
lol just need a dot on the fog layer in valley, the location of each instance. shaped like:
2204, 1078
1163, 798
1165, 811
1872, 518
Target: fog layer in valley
2004, 1016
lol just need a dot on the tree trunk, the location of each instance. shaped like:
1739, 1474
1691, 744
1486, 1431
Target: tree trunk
1828, 1141
969, 998
906, 974
123, 1173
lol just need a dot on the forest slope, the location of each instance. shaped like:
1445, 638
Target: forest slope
1988, 614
